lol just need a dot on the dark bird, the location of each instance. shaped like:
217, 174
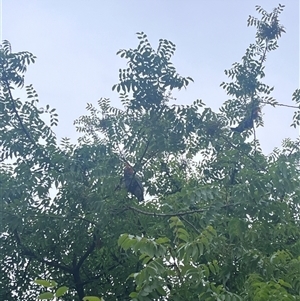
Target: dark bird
133, 183
247, 122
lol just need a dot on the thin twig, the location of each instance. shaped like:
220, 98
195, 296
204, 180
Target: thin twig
191, 225
280, 105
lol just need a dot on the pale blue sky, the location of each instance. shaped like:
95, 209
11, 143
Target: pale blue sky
76, 43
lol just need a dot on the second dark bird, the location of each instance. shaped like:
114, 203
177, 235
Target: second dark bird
247, 122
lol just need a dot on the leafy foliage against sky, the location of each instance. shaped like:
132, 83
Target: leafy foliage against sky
220, 220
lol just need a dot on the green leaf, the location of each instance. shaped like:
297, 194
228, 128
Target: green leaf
133, 295
61, 291
46, 296
183, 231
284, 283
195, 252
128, 243
183, 237
46, 283
200, 248
122, 239
162, 240
161, 291
92, 298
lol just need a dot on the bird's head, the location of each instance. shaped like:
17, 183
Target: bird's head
128, 170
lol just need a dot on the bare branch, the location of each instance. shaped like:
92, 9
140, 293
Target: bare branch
175, 213
280, 105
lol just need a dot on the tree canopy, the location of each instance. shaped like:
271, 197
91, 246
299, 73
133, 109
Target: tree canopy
219, 219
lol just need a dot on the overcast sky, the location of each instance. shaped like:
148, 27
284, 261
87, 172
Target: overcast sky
76, 43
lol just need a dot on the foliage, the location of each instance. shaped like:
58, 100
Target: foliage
220, 220
49, 295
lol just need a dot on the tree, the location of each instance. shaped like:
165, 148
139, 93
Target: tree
220, 219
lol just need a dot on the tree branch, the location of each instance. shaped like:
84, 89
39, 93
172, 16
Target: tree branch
280, 105
85, 255
53, 216
191, 225
30, 253
175, 213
